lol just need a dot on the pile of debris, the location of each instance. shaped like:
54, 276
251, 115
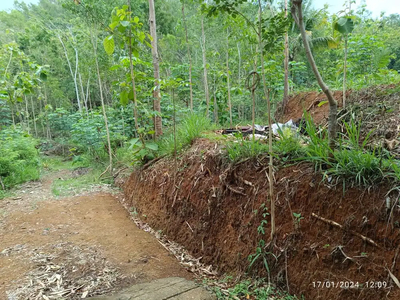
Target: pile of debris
261, 132
84, 273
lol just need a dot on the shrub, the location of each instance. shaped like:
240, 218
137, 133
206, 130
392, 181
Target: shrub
187, 131
288, 146
19, 160
242, 149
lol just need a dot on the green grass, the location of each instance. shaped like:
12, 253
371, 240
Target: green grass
191, 128
73, 185
253, 289
242, 149
58, 163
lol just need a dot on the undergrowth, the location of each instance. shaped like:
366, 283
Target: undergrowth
191, 128
356, 161
19, 160
252, 289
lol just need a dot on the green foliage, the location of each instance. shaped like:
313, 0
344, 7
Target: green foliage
317, 150
187, 131
253, 289
19, 160
256, 289
288, 146
243, 149
353, 162
142, 150
344, 25
75, 185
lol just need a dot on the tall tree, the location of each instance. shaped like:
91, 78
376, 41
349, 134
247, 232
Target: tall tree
189, 55
205, 67
297, 14
286, 64
228, 77
156, 67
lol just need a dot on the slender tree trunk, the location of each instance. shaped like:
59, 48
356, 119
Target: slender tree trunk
48, 131
83, 94
286, 65
12, 114
41, 113
94, 44
239, 65
33, 117
203, 48
297, 14
156, 66
87, 93
228, 77
239, 78
26, 117
215, 102
135, 112
266, 93
189, 55
73, 74
345, 70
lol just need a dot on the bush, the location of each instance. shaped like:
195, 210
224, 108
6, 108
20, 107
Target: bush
242, 149
352, 161
190, 129
288, 146
19, 161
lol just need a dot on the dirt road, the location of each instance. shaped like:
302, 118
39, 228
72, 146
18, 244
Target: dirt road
74, 247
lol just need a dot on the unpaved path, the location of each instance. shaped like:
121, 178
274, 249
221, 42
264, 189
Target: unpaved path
76, 246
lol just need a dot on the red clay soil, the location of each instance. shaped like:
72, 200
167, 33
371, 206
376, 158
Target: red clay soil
213, 209
309, 101
314, 103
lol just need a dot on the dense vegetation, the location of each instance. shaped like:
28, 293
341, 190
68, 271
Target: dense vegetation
93, 80
76, 73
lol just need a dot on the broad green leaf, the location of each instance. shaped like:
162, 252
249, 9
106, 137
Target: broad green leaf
114, 24
109, 44
130, 95
123, 97
125, 23
142, 153
152, 146
344, 25
43, 76
115, 67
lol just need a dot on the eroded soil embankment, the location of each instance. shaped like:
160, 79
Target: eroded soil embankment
213, 209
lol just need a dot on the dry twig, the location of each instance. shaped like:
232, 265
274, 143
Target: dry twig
333, 223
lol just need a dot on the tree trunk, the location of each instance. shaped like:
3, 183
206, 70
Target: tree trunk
87, 92
94, 44
189, 55
215, 102
228, 78
239, 78
48, 131
73, 74
266, 93
33, 117
83, 95
26, 116
345, 70
156, 66
286, 66
203, 48
297, 14
135, 113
